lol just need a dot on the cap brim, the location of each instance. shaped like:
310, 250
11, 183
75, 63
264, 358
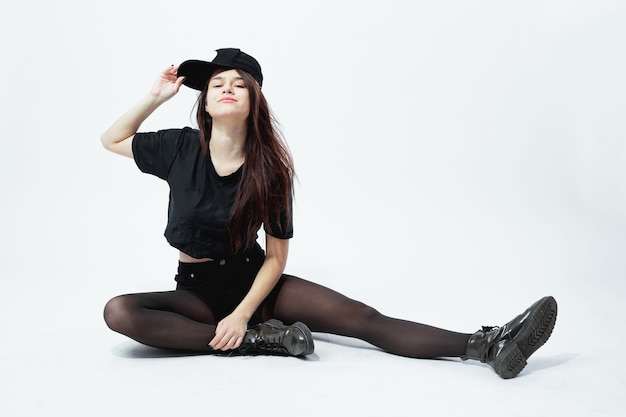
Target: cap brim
197, 73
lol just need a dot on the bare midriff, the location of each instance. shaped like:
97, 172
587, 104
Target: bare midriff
183, 257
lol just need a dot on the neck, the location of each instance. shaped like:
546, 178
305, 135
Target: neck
227, 141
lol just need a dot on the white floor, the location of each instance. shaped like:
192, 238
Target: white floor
59, 359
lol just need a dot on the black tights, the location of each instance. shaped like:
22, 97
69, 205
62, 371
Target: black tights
179, 320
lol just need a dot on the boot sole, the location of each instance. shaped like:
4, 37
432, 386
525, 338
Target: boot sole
532, 336
310, 346
308, 336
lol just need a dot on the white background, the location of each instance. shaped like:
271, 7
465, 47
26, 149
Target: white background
456, 161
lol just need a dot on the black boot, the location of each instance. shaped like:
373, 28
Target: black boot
508, 347
273, 337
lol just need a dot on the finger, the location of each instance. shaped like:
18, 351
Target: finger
223, 341
172, 69
238, 342
233, 343
217, 344
169, 74
226, 344
217, 340
167, 71
220, 337
213, 343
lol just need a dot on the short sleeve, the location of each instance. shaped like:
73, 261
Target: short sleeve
154, 152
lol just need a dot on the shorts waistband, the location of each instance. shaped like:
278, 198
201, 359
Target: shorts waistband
220, 266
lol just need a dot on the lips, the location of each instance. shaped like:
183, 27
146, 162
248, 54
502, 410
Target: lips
227, 100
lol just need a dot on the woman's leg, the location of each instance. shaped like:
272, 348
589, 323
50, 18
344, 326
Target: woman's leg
171, 320
327, 311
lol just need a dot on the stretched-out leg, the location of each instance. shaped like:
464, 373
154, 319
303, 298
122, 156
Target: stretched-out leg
171, 319
327, 311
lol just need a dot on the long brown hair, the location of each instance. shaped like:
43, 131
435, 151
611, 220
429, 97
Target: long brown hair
266, 188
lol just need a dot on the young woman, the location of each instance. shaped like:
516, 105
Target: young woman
228, 178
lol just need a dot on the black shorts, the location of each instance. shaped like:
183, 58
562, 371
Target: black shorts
223, 283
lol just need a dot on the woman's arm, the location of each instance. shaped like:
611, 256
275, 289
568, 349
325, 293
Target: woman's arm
118, 138
231, 330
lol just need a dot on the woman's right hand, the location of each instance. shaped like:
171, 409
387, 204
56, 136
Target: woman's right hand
168, 84
119, 137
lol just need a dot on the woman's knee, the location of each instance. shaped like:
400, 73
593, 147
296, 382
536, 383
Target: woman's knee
354, 319
364, 314
118, 313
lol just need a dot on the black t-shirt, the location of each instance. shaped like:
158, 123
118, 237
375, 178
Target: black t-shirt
200, 200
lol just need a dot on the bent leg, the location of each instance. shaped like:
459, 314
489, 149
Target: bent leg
327, 311
171, 319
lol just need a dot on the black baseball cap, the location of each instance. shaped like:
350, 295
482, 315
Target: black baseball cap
197, 73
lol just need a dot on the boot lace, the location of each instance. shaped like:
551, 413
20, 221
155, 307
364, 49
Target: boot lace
263, 344
487, 329
270, 344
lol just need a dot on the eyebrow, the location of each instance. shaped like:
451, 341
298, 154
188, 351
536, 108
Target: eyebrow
219, 77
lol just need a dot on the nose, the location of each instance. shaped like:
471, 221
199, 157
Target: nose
227, 89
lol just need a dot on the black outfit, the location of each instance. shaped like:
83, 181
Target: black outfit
223, 284
200, 204
200, 200
199, 208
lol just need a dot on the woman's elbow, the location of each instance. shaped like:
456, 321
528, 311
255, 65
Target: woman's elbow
123, 147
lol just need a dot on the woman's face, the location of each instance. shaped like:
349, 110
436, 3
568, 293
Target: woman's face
227, 96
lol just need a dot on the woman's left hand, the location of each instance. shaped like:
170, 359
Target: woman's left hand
229, 332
